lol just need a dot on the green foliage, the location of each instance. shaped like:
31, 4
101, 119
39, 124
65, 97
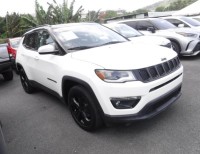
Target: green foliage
13, 28
93, 16
160, 9
55, 14
2, 27
110, 14
140, 11
177, 5
63, 13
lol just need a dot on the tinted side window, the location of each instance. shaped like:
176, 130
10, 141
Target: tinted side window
143, 25
176, 22
131, 24
44, 38
31, 41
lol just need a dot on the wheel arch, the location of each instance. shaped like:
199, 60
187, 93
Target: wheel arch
19, 66
68, 82
177, 42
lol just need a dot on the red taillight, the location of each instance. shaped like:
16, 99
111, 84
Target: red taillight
12, 51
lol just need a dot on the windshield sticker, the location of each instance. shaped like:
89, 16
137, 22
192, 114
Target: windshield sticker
68, 35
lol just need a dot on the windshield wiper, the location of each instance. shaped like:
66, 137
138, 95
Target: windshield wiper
80, 48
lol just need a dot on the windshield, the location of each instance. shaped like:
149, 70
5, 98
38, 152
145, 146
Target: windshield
198, 19
162, 24
84, 36
125, 30
191, 21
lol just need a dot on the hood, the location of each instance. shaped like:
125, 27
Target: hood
196, 28
186, 30
157, 40
125, 56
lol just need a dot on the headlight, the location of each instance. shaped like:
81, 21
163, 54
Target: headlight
115, 76
187, 34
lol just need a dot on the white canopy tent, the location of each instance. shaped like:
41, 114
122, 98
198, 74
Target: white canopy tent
193, 9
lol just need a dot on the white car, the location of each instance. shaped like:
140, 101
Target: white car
181, 21
101, 75
138, 37
185, 41
196, 18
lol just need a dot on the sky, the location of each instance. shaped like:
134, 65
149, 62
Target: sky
27, 6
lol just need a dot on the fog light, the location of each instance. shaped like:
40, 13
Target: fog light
125, 103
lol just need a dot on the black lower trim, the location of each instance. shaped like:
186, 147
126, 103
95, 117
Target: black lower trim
40, 86
155, 88
151, 109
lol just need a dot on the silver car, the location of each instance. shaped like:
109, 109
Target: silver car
185, 41
181, 21
137, 37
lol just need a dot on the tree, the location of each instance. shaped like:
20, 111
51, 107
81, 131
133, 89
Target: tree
110, 14
160, 9
176, 5
2, 26
140, 11
63, 14
13, 28
93, 16
55, 14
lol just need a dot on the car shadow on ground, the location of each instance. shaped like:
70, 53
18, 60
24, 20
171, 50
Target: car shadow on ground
187, 58
3, 83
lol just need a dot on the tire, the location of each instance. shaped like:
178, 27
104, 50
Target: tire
25, 82
176, 47
8, 75
83, 109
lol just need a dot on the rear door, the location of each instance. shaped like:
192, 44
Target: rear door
28, 54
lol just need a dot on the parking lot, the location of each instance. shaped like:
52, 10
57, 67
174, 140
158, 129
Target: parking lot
40, 124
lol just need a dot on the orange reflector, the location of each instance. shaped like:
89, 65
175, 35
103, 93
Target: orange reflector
100, 75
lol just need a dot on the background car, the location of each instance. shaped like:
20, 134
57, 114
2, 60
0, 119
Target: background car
137, 36
196, 18
185, 41
181, 21
13, 44
6, 63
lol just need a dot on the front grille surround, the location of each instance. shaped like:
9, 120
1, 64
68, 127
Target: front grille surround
197, 47
158, 71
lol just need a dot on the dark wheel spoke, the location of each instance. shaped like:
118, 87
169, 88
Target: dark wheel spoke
82, 108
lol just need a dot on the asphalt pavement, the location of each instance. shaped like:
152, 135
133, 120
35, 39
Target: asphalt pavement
40, 124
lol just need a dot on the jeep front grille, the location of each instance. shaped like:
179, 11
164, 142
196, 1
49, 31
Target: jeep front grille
157, 71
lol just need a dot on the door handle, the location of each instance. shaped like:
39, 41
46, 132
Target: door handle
36, 58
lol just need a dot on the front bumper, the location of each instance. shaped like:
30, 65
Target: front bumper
153, 108
146, 91
193, 49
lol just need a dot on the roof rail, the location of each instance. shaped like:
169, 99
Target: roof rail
36, 27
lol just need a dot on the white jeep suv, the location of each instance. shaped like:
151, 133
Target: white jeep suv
101, 75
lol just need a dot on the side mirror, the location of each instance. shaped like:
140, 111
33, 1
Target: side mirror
181, 25
47, 49
151, 29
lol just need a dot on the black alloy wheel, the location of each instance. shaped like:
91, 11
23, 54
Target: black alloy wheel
83, 108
